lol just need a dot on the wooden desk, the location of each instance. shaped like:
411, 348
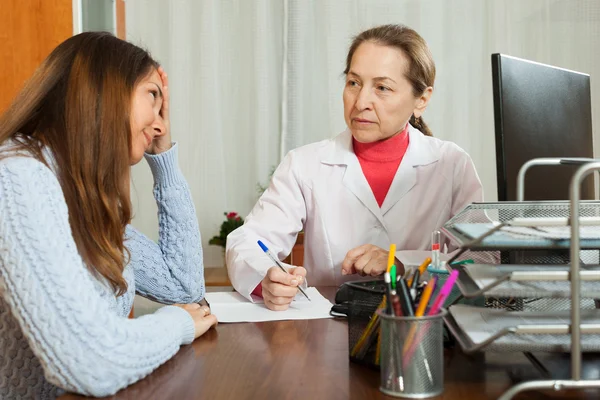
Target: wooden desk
216, 277
309, 360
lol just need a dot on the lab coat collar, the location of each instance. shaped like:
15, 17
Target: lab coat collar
421, 151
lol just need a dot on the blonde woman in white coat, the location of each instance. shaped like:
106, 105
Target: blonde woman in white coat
383, 180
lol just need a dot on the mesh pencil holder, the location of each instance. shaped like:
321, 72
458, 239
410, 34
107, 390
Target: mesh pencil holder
364, 297
412, 355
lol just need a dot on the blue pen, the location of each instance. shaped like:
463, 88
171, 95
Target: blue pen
278, 263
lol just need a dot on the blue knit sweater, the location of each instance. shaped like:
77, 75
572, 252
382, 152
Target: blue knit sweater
62, 328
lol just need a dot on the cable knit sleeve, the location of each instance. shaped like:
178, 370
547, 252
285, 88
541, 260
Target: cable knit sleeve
172, 271
82, 344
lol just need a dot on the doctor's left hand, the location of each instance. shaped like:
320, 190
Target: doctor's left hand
366, 260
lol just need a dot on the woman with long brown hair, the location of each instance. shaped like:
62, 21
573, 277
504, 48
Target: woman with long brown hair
70, 263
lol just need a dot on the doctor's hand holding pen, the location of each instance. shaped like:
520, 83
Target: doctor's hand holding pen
370, 260
279, 288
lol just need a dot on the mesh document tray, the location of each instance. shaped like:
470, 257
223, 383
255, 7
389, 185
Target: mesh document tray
515, 301
520, 281
499, 330
478, 218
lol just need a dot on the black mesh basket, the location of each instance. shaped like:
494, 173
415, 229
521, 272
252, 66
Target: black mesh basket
364, 298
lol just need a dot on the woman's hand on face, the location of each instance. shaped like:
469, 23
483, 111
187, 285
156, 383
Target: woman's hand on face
368, 259
279, 288
203, 319
162, 143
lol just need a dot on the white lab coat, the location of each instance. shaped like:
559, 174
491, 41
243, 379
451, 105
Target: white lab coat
321, 188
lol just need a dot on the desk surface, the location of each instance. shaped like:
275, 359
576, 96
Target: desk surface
216, 276
309, 360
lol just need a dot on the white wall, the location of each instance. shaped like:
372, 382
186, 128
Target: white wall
225, 59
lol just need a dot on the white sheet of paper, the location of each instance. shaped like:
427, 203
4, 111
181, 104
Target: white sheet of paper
414, 258
233, 307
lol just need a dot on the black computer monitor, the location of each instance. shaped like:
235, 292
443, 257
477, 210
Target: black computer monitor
540, 111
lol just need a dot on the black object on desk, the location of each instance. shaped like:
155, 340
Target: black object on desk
363, 298
343, 295
341, 306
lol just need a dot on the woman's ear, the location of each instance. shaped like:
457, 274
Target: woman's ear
422, 102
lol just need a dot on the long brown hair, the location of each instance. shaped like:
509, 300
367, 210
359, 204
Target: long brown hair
77, 105
421, 69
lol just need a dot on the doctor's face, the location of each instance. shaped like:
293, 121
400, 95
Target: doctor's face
378, 98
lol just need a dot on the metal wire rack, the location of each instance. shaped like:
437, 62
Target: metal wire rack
545, 305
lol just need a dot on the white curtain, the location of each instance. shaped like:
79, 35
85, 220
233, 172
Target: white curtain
224, 62
238, 66
462, 35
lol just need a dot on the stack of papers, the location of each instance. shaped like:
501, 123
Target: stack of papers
553, 232
233, 307
480, 324
484, 275
515, 233
414, 258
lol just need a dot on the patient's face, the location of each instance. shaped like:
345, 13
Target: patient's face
146, 117
378, 99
